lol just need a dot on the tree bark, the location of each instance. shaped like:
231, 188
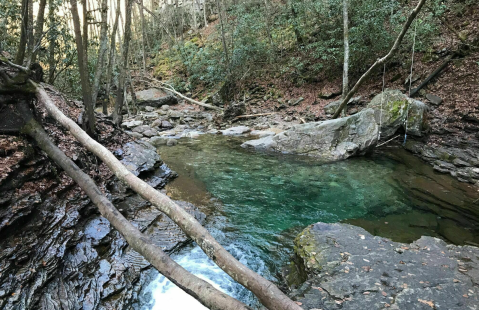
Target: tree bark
269, 295
23, 34
89, 123
38, 30
204, 13
346, 49
101, 51
111, 59
51, 43
30, 38
117, 117
143, 34
196, 287
381, 61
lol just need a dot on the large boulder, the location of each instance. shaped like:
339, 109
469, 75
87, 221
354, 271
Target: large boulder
154, 98
391, 108
345, 265
329, 140
333, 106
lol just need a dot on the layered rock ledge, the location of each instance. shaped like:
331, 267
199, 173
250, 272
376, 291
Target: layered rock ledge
339, 266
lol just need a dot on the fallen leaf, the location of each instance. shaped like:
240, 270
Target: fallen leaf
366, 293
456, 281
427, 302
384, 293
298, 303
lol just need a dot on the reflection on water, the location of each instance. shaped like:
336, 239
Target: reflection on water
257, 203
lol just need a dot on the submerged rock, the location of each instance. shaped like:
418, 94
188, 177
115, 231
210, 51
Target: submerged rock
329, 140
345, 266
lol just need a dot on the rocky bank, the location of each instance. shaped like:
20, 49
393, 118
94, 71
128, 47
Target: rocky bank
339, 266
57, 251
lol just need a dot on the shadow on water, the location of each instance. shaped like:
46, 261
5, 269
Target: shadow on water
257, 203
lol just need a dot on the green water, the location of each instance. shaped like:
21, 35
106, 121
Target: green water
257, 203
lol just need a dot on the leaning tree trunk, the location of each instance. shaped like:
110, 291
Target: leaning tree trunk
124, 65
223, 35
101, 51
268, 294
89, 121
383, 60
51, 43
201, 290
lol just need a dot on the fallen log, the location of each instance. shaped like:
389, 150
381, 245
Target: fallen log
432, 75
171, 89
268, 294
201, 290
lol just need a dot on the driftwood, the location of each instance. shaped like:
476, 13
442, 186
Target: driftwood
201, 290
170, 88
268, 294
432, 75
381, 61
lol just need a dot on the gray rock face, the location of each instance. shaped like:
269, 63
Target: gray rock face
158, 141
66, 256
154, 98
347, 267
329, 140
236, 131
140, 156
392, 116
132, 124
175, 114
433, 99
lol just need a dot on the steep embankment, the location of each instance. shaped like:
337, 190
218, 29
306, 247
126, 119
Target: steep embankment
57, 252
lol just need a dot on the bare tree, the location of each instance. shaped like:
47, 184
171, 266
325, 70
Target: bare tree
23, 34
346, 50
111, 59
223, 34
101, 51
89, 121
38, 35
123, 66
382, 60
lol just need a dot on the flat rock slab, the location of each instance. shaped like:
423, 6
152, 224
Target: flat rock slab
236, 131
348, 268
140, 156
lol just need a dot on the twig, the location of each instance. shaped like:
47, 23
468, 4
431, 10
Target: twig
387, 141
254, 115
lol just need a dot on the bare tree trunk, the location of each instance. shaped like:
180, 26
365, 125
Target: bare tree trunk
85, 28
143, 34
196, 287
346, 51
223, 35
269, 295
101, 51
30, 38
204, 13
23, 34
111, 59
89, 121
381, 61
38, 30
117, 117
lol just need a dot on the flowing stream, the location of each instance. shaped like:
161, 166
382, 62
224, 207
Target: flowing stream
257, 203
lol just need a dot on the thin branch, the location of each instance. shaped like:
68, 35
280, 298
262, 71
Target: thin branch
383, 60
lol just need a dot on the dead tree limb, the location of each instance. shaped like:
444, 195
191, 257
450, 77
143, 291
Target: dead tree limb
268, 294
170, 88
432, 75
253, 115
383, 60
201, 290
